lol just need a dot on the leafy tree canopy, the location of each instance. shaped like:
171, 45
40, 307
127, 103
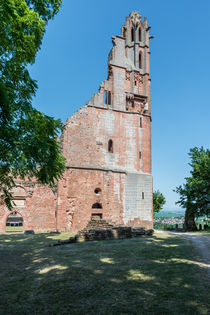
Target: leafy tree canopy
158, 201
195, 192
28, 145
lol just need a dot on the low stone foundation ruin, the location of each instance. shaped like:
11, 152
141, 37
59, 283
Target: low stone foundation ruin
97, 230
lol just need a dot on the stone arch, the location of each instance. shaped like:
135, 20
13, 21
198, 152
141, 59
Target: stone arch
97, 205
14, 219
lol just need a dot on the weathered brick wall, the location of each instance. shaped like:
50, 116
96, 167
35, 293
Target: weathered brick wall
86, 136
36, 204
77, 196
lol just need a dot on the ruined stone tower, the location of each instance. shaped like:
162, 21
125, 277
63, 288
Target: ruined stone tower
107, 143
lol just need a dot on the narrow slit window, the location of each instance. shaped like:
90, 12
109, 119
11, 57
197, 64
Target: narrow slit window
127, 104
139, 34
109, 100
142, 195
105, 97
140, 61
110, 146
124, 32
132, 34
139, 154
140, 122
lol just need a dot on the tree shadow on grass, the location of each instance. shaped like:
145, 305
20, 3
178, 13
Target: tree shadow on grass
153, 275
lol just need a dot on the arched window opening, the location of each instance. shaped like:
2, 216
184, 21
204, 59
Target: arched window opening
142, 195
132, 34
139, 34
140, 61
135, 82
97, 191
132, 104
14, 222
96, 205
110, 146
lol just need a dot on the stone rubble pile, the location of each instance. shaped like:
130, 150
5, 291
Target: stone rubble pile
97, 230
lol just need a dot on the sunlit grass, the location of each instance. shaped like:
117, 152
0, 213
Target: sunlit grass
14, 229
147, 275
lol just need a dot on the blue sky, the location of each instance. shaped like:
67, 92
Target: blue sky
72, 63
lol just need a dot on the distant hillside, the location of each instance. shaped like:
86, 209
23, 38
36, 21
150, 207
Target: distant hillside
178, 213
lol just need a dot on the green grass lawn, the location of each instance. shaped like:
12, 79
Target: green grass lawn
148, 275
14, 229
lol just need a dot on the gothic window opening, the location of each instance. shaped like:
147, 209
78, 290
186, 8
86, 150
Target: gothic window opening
132, 34
96, 205
142, 195
140, 122
110, 146
132, 104
14, 222
139, 34
135, 82
107, 97
140, 61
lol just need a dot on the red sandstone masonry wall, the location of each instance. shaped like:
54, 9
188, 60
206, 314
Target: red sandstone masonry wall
85, 140
77, 195
39, 207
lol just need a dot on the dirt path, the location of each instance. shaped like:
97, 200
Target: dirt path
202, 245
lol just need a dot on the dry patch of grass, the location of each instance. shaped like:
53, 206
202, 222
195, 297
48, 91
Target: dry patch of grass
153, 275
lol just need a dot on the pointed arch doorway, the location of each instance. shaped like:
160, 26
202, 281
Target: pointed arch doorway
14, 222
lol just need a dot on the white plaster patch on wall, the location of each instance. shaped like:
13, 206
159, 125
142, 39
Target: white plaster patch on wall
135, 206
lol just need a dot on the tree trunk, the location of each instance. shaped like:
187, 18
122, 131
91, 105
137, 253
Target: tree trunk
189, 222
